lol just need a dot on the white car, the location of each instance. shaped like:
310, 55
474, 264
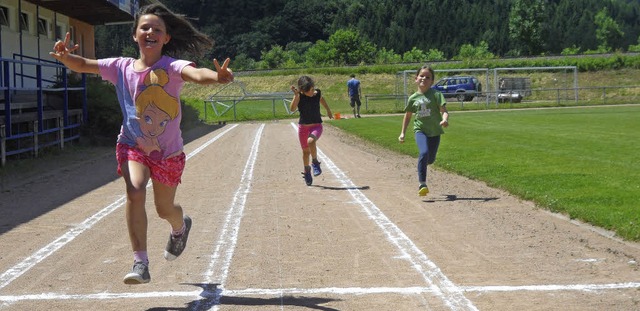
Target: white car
510, 97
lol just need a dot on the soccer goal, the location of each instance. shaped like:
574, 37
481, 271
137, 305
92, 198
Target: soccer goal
542, 85
522, 85
405, 84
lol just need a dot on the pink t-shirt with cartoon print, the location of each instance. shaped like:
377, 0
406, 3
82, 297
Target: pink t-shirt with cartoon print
150, 103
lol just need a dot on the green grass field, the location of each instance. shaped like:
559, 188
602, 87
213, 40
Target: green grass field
582, 162
578, 161
379, 92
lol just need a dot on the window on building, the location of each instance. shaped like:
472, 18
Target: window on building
4, 16
72, 32
43, 27
24, 21
61, 32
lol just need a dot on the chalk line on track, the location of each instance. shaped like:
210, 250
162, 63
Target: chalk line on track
325, 290
438, 283
25, 265
228, 238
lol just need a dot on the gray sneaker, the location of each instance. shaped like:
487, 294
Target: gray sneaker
176, 245
139, 274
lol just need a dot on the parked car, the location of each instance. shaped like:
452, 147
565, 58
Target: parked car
463, 88
513, 89
509, 97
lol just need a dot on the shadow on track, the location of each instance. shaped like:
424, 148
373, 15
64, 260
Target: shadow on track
212, 296
453, 197
341, 188
52, 181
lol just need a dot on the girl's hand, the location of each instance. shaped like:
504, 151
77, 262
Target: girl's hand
444, 123
61, 49
294, 90
401, 138
225, 75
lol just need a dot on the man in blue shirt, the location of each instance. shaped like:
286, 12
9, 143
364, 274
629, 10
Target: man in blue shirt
353, 90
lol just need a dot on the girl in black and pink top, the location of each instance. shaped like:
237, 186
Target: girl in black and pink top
149, 145
307, 100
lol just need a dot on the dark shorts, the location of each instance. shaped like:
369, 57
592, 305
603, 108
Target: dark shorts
355, 100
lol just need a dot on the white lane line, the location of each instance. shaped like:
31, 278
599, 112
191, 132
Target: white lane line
278, 292
209, 142
449, 293
226, 244
25, 265
217, 293
552, 288
19, 269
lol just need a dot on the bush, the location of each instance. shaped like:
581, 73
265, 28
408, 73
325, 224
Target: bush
104, 115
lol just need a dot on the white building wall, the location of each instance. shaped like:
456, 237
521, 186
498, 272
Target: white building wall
28, 42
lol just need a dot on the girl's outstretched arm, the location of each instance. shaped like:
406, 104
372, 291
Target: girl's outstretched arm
62, 52
326, 107
222, 75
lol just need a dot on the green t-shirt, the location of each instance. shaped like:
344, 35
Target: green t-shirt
426, 108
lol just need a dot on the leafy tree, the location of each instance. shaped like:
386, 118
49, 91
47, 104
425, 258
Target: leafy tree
321, 54
385, 56
296, 50
526, 21
111, 40
435, 55
129, 51
414, 56
468, 51
509, 27
351, 48
253, 43
608, 31
275, 57
243, 62
570, 50
635, 48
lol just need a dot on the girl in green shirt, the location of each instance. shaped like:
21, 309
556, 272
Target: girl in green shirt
431, 112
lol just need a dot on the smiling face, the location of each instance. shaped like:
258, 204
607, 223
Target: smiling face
151, 33
424, 79
154, 122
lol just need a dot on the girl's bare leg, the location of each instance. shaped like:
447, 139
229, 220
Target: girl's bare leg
313, 150
136, 177
164, 197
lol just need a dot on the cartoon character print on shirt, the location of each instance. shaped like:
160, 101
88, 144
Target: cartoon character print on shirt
155, 108
423, 111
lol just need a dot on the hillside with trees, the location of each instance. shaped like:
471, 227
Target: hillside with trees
289, 34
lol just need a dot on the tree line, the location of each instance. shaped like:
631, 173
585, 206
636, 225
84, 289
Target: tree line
288, 34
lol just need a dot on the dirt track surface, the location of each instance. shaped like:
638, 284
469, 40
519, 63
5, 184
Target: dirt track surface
358, 239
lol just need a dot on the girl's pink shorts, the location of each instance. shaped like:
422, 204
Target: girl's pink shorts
305, 130
167, 171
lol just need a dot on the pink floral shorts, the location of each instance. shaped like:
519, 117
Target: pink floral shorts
167, 171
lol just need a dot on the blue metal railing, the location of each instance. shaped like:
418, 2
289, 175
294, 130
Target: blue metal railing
50, 77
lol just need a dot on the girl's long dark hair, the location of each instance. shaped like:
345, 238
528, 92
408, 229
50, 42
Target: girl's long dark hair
185, 39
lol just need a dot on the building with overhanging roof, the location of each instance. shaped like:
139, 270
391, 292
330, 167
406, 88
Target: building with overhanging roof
35, 96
